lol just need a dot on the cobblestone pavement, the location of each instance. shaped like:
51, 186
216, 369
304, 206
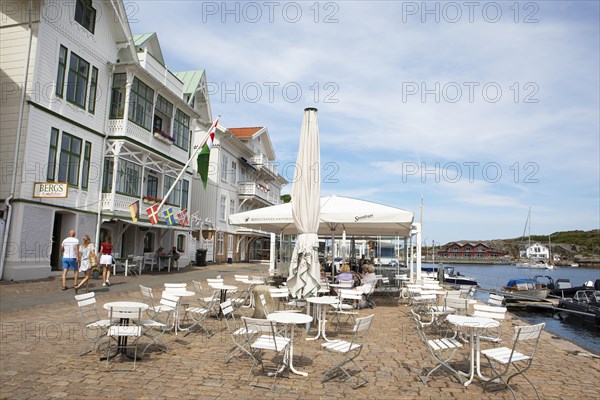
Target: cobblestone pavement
40, 341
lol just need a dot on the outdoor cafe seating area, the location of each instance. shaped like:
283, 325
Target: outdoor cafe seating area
265, 336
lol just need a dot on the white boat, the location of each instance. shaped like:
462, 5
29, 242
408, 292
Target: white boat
535, 264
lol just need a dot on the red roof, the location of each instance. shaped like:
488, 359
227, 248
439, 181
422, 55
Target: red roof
245, 133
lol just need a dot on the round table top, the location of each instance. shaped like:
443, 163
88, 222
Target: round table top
252, 281
126, 304
289, 318
323, 300
473, 322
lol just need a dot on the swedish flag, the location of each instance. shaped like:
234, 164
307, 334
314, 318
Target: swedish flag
169, 216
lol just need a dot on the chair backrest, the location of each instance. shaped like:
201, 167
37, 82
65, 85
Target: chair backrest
527, 333
496, 299
263, 303
214, 282
279, 292
494, 312
123, 312
87, 307
361, 329
460, 305
175, 287
349, 294
240, 278
264, 327
347, 284
169, 300
228, 315
147, 294
453, 293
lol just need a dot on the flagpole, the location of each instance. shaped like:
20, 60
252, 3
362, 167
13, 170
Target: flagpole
187, 164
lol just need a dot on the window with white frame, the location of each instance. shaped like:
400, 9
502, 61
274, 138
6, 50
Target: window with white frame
79, 71
85, 14
52, 154
220, 243
141, 100
60, 74
224, 166
181, 130
233, 172
128, 178
222, 208
229, 244
231, 206
70, 157
163, 113
185, 189
181, 243
152, 187
117, 99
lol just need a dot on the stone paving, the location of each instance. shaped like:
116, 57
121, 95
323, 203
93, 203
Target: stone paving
40, 340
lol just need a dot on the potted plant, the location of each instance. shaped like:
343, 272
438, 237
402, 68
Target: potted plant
96, 272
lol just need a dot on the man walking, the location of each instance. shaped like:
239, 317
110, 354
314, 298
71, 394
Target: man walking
70, 251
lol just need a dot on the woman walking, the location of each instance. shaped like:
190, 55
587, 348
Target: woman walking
86, 251
106, 259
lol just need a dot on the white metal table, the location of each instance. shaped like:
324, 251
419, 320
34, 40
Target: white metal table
322, 302
475, 325
123, 305
290, 318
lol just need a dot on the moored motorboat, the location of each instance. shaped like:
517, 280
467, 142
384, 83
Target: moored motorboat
563, 287
525, 288
451, 276
585, 305
535, 264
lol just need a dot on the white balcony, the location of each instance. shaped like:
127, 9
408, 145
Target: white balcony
250, 189
263, 164
122, 203
162, 74
116, 127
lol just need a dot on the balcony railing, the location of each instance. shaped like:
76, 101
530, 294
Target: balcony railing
253, 189
116, 127
122, 203
262, 163
161, 73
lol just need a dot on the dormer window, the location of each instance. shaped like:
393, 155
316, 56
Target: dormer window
85, 14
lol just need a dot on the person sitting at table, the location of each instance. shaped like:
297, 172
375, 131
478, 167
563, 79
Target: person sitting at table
368, 281
174, 257
160, 252
345, 274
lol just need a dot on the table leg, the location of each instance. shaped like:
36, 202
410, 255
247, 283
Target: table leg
126, 266
291, 355
471, 358
319, 322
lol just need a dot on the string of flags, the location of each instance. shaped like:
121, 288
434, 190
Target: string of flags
171, 218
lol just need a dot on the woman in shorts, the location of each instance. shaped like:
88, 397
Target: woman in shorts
106, 259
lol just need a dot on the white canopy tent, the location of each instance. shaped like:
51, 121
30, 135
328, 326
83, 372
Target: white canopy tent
338, 214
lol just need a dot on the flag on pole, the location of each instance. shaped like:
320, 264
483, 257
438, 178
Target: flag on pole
196, 219
134, 209
169, 216
183, 218
204, 156
152, 212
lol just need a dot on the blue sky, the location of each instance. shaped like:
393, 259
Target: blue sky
482, 111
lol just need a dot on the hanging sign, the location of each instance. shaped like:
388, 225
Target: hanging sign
50, 190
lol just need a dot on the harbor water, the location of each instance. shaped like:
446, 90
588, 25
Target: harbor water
493, 277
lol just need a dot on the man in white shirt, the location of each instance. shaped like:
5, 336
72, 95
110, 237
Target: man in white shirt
70, 251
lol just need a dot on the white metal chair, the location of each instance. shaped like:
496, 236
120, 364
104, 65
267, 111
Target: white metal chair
520, 357
91, 320
263, 337
199, 314
124, 330
347, 304
460, 305
238, 332
342, 352
149, 260
496, 299
440, 348
136, 266
493, 312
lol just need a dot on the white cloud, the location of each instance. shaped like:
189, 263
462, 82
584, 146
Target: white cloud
368, 61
